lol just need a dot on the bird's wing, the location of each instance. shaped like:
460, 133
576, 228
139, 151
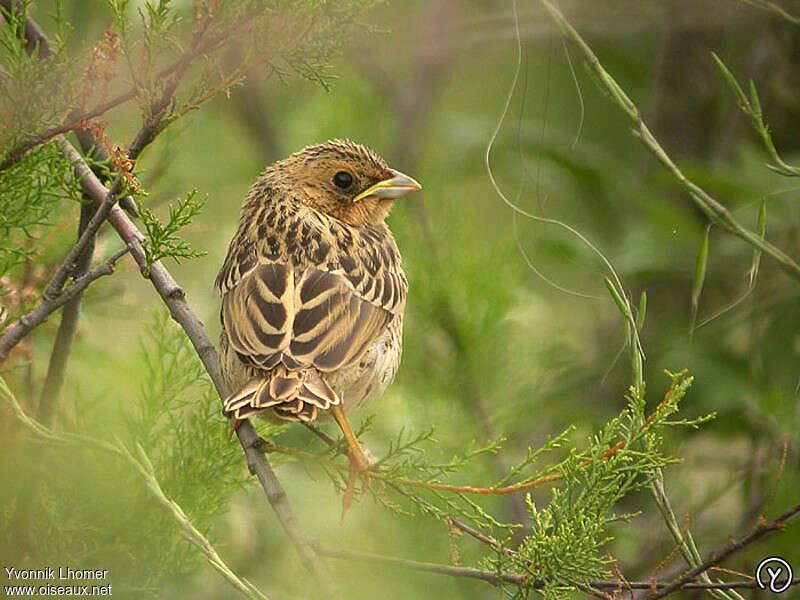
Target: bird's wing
241, 259
308, 316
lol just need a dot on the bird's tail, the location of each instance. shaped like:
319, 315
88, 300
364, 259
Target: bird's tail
293, 395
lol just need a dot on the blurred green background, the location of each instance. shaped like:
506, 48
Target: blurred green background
491, 349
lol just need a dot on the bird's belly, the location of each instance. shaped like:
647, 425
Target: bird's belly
369, 377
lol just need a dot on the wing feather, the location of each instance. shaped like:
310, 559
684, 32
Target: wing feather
302, 317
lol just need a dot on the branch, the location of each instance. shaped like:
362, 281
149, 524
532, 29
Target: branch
86, 238
523, 581
37, 39
145, 468
40, 314
710, 206
468, 572
763, 528
67, 329
91, 147
172, 295
713, 209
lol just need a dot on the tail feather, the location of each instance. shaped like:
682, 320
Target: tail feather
243, 397
317, 392
305, 414
284, 384
294, 395
263, 399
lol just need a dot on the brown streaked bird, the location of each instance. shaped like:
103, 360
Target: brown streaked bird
313, 293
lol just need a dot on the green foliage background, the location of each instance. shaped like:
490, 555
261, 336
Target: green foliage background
491, 350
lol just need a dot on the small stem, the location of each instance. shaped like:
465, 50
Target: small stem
763, 528
523, 581
264, 446
41, 313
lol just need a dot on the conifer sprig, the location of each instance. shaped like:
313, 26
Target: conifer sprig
162, 239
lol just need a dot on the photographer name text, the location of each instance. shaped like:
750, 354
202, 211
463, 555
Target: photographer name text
59, 574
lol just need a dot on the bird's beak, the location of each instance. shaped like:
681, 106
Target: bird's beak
397, 186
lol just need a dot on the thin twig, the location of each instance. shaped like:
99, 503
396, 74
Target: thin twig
91, 147
468, 572
523, 581
41, 313
763, 528
775, 9
715, 212
225, 83
174, 296
67, 328
70, 314
86, 238
145, 135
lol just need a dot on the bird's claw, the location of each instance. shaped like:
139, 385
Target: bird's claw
360, 461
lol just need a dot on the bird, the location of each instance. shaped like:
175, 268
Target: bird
313, 291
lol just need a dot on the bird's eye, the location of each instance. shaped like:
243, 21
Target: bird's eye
343, 179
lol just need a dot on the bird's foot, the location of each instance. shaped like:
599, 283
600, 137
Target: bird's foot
361, 460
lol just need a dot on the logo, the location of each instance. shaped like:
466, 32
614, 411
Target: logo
770, 570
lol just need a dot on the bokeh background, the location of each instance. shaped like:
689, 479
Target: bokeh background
492, 348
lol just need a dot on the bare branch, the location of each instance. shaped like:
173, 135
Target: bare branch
763, 528
264, 446
40, 314
775, 9
67, 328
515, 579
468, 572
146, 134
91, 147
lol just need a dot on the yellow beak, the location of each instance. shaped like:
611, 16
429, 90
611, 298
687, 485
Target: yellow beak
396, 186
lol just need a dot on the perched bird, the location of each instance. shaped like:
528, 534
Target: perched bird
313, 293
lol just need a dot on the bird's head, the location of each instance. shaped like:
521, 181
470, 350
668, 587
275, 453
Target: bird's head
344, 180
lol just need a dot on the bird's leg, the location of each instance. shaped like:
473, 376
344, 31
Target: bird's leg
360, 460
